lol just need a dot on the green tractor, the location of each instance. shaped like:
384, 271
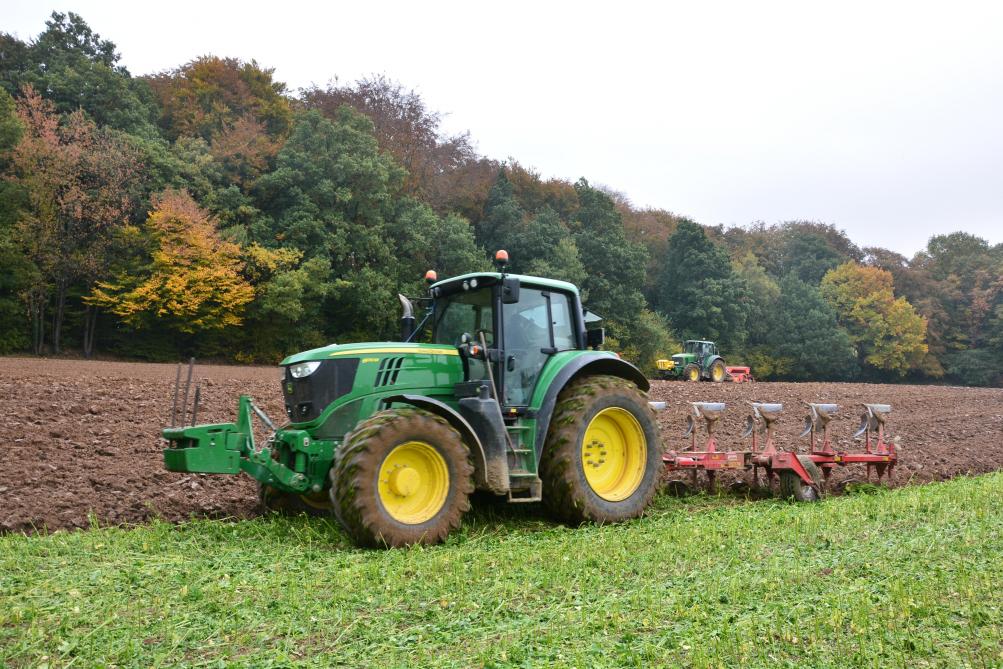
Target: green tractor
510, 395
699, 360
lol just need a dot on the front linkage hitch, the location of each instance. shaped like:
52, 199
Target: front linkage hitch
228, 448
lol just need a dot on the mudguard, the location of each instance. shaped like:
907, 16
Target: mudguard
587, 364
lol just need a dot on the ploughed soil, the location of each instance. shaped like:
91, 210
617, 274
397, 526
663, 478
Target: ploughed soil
81, 439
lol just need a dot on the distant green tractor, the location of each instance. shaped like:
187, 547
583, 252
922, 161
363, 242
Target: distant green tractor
699, 360
510, 396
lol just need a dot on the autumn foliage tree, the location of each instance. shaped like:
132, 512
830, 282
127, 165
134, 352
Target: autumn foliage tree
16, 267
405, 128
888, 332
210, 95
194, 281
78, 178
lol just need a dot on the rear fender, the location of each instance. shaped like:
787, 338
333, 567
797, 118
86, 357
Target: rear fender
587, 364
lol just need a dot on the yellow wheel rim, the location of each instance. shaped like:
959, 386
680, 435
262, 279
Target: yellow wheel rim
614, 454
413, 482
694, 374
718, 373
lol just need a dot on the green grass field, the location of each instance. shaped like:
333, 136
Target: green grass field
908, 578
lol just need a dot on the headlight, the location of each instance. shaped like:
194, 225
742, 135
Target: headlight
301, 369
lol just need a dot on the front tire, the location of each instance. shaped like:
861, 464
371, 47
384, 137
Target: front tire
602, 458
691, 372
402, 477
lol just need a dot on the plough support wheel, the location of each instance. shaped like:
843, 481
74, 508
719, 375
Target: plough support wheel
792, 487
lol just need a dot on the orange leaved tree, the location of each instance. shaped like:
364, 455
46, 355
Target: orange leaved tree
194, 281
79, 180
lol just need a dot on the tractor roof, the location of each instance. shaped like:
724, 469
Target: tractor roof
493, 277
698, 341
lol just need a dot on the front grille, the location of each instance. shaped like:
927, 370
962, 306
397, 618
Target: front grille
307, 398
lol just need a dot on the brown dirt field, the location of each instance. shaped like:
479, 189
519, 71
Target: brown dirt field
81, 437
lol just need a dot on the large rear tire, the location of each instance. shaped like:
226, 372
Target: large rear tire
602, 458
718, 372
402, 477
273, 500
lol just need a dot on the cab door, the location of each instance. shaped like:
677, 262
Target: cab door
539, 325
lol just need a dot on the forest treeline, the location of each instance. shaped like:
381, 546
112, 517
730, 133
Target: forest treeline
207, 210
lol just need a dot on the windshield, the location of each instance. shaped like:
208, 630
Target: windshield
468, 312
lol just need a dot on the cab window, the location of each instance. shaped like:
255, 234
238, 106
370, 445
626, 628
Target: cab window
468, 312
564, 324
537, 326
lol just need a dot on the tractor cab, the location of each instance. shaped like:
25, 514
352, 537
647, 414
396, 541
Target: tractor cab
700, 349
507, 327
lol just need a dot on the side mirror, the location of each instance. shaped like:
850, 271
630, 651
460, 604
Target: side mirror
510, 290
594, 339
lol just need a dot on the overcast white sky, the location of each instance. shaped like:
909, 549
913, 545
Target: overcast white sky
883, 119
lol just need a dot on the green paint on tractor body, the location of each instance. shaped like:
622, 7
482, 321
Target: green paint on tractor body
330, 390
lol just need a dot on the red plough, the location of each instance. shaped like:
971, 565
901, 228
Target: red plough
803, 477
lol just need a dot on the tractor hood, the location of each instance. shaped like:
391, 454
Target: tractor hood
335, 351
316, 382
